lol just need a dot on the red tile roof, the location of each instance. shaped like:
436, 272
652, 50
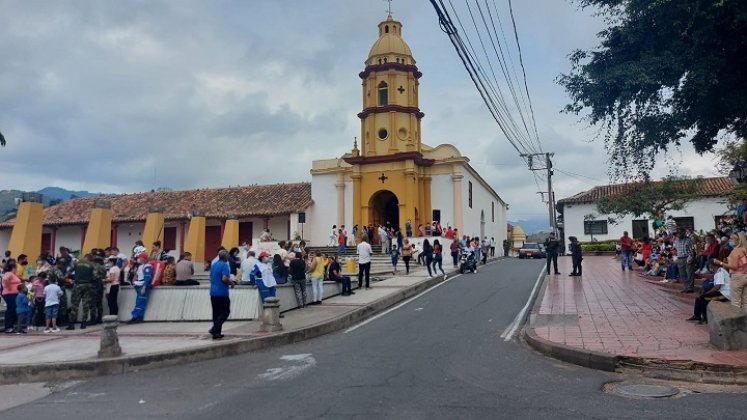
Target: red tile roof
251, 201
708, 187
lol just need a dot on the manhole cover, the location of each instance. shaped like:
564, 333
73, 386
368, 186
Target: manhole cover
645, 391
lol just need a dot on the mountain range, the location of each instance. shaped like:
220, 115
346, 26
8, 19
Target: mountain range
50, 196
532, 225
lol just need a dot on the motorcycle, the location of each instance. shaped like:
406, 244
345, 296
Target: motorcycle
467, 261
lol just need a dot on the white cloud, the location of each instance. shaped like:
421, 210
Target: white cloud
97, 96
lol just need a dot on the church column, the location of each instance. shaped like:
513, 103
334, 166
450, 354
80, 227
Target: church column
410, 196
154, 224
98, 234
428, 204
27, 229
195, 244
230, 233
357, 205
456, 179
340, 185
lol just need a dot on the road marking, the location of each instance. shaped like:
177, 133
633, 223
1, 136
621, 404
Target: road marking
301, 362
508, 334
355, 327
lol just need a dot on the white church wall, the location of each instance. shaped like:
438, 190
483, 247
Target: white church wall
323, 213
442, 198
482, 201
703, 212
4, 239
69, 237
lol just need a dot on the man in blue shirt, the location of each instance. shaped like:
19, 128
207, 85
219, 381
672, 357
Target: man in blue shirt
220, 282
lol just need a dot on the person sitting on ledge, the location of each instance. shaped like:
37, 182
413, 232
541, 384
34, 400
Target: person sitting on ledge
335, 274
719, 290
185, 270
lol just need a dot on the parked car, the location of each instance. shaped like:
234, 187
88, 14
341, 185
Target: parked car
531, 250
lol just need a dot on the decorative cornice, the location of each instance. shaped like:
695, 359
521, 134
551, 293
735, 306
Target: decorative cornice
396, 157
391, 108
373, 68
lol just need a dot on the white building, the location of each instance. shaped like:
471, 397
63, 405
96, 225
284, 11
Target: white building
582, 219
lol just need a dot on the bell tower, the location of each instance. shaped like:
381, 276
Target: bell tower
390, 120
390, 176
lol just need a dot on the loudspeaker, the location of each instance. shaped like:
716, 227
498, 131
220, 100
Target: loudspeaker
302, 217
436, 216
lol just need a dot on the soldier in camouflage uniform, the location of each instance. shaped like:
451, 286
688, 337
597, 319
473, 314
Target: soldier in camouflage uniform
83, 289
99, 274
59, 273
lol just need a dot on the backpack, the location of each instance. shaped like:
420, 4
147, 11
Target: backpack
158, 268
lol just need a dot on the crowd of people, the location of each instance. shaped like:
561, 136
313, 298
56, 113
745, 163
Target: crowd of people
62, 290
678, 255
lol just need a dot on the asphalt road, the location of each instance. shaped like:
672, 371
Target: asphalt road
439, 356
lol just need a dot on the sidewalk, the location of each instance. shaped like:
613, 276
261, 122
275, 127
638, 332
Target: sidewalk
609, 319
68, 355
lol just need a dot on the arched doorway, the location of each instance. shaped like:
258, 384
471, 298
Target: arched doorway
384, 207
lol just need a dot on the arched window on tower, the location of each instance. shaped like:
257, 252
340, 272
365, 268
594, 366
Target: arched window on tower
383, 94
386, 28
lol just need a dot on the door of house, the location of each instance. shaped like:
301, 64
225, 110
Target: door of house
640, 229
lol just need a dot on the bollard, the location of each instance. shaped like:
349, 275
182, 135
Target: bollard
271, 315
109, 340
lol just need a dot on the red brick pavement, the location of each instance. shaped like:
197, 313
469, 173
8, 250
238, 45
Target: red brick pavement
622, 313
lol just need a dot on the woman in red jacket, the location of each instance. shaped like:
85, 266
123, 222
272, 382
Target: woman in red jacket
710, 251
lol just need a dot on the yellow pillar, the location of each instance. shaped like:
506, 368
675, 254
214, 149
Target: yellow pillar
154, 224
195, 244
231, 233
99, 232
27, 230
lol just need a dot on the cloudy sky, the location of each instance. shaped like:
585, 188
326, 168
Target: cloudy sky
126, 96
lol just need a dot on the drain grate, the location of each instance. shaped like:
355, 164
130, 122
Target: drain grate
645, 391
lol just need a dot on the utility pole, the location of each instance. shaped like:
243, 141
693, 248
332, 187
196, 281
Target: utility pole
550, 194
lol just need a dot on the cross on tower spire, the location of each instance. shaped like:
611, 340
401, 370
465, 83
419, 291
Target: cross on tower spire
390, 7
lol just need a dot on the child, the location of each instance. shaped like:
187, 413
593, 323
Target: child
52, 294
23, 309
37, 285
394, 253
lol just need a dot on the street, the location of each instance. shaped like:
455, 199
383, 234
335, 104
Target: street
439, 356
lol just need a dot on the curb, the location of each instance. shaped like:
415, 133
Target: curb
678, 370
586, 358
14, 374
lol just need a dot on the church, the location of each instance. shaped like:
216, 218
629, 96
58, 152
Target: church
389, 176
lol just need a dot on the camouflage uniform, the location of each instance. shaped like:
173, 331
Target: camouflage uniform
84, 290
99, 274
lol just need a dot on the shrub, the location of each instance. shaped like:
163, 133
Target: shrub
598, 247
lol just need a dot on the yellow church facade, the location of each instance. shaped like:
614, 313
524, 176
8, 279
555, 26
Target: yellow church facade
390, 176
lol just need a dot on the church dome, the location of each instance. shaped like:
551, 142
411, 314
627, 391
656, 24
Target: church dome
390, 47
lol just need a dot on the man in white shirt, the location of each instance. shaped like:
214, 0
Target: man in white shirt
364, 263
719, 291
247, 266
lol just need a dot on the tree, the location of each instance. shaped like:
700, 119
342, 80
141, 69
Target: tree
665, 72
648, 198
2, 140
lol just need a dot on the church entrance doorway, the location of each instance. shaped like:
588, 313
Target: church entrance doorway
384, 207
